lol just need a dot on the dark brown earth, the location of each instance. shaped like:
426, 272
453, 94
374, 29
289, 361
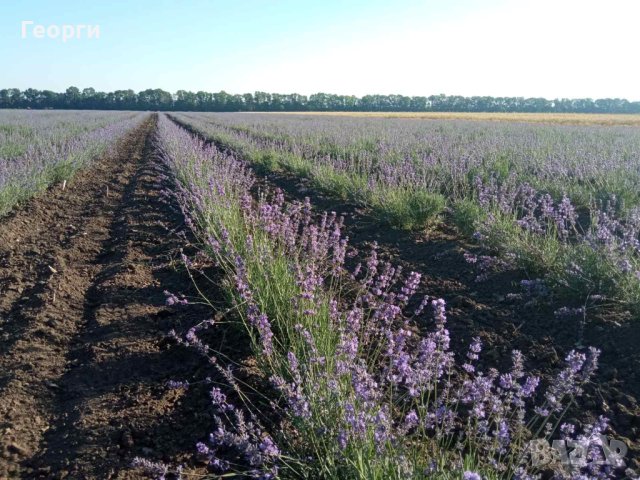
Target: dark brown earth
483, 309
83, 355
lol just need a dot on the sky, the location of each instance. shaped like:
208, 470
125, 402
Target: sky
541, 48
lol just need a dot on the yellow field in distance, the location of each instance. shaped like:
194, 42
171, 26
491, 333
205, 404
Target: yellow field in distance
560, 118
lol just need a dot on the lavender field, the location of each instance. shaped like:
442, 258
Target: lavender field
559, 201
363, 394
38, 149
307, 297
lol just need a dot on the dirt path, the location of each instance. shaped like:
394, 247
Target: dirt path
83, 361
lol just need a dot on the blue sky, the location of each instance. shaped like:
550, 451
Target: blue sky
549, 48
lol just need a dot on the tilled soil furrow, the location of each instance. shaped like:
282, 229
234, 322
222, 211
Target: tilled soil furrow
85, 366
114, 404
47, 315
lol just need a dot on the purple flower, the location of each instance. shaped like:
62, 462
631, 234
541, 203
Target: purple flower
156, 470
175, 384
469, 475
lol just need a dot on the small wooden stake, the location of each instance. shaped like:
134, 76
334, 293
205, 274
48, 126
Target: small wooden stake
64, 184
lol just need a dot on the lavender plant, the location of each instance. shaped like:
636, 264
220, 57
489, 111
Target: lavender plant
547, 238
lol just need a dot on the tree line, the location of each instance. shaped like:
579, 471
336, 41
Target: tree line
182, 100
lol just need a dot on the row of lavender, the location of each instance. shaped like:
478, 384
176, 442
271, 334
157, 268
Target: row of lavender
41, 148
582, 161
560, 201
356, 390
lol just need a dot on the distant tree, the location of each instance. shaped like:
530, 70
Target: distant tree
203, 101
32, 97
125, 100
15, 97
49, 99
248, 102
262, 101
72, 97
157, 99
185, 101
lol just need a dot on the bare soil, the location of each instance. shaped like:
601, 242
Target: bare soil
83, 354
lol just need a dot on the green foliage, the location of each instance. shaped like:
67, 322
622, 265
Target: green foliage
18, 130
406, 208
10, 195
12, 150
295, 164
337, 184
60, 171
265, 160
466, 215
